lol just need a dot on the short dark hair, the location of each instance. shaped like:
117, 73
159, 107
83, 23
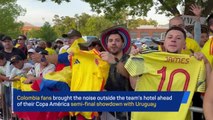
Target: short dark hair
2, 56
48, 44
116, 32
177, 28
204, 29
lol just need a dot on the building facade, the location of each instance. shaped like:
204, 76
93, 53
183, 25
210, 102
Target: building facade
148, 30
27, 27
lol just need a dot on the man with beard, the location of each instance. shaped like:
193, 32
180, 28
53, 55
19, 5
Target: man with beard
116, 41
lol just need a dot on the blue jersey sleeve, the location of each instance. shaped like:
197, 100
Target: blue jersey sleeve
63, 59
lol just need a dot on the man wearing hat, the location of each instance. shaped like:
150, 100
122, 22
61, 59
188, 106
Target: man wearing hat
9, 50
20, 67
71, 36
116, 41
31, 51
40, 69
58, 44
5, 70
93, 43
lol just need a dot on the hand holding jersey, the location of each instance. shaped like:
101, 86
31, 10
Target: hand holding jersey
167, 72
106, 56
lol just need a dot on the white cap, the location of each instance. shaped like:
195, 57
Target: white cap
31, 50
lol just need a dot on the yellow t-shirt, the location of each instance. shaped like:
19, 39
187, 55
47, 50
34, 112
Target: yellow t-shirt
50, 51
191, 45
73, 47
89, 73
19, 85
207, 50
163, 71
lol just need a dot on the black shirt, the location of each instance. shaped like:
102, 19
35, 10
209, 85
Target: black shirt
24, 49
116, 81
15, 51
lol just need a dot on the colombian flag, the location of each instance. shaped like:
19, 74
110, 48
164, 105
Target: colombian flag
55, 81
84, 71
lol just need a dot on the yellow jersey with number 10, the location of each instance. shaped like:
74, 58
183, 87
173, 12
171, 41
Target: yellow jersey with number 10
163, 71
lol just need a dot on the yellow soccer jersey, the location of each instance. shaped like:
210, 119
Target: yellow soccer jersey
207, 50
163, 71
89, 73
74, 47
50, 51
191, 45
19, 85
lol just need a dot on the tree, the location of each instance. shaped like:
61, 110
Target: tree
46, 33
141, 7
93, 25
96, 24
63, 24
9, 11
81, 21
34, 33
86, 24
133, 23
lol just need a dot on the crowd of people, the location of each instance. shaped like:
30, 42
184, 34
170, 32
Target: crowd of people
183, 62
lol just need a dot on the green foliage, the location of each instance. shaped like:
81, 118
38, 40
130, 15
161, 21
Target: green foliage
63, 24
33, 34
141, 7
46, 33
86, 24
95, 25
9, 11
134, 7
133, 23
81, 21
